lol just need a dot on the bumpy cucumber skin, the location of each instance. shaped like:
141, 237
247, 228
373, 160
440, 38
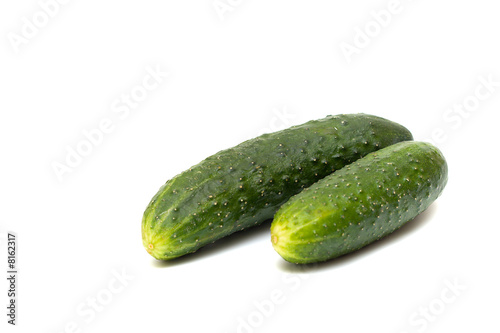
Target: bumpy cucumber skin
245, 185
360, 203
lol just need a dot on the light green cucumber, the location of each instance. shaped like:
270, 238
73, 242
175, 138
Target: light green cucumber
245, 185
360, 203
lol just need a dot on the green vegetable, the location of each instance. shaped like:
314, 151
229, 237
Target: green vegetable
360, 203
245, 185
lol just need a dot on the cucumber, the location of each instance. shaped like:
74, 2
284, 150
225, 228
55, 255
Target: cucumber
245, 185
360, 203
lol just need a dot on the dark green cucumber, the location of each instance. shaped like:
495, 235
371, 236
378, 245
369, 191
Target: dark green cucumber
360, 203
243, 186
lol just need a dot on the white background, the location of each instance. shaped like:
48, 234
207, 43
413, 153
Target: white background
258, 66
